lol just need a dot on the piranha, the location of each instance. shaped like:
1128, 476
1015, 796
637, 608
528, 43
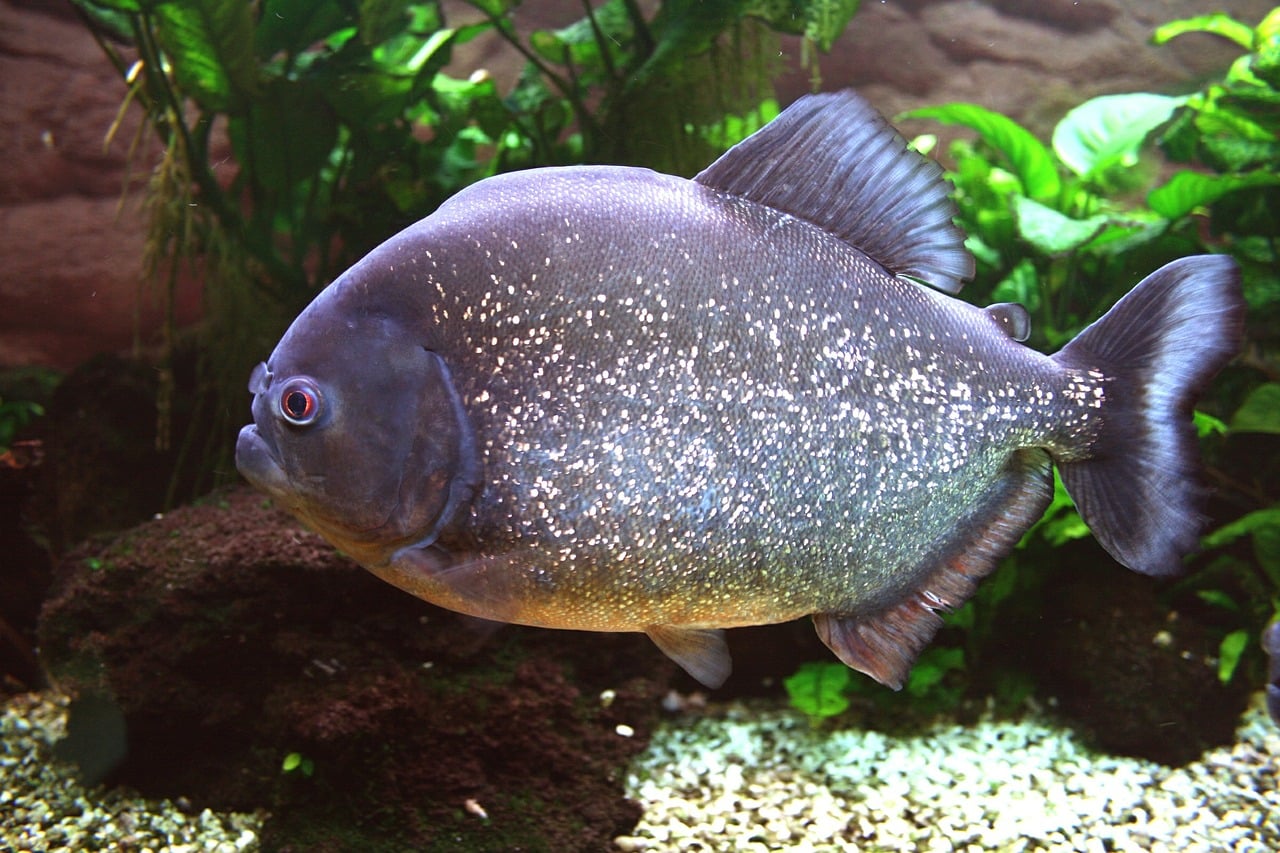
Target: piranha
608, 399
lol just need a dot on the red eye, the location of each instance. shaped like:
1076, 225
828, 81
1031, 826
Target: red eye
300, 401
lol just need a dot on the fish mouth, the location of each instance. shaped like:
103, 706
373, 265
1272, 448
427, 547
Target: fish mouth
256, 461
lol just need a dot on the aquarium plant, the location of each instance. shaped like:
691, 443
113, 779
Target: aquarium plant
1061, 225
298, 134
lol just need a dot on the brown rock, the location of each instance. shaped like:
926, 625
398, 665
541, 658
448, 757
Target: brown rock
73, 279
71, 250
1065, 15
228, 638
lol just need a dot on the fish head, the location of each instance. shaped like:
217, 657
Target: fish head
358, 431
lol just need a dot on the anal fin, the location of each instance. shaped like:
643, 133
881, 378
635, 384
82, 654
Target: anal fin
884, 644
701, 652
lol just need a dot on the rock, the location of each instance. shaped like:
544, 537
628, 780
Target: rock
1137, 675
73, 253
230, 638
1065, 15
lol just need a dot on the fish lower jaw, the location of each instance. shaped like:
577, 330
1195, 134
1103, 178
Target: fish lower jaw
257, 464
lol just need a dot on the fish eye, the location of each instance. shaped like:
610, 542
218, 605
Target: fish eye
300, 401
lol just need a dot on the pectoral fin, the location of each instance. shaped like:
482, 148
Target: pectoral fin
701, 652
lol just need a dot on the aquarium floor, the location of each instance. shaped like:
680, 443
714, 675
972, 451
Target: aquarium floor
746, 781
741, 779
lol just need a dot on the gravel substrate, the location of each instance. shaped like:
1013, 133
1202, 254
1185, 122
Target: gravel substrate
43, 808
750, 782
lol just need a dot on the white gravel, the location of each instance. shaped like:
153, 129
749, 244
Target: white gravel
743, 780
747, 782
42, 807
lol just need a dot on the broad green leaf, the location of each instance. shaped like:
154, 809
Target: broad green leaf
1031, 161
579, 43
293, 26
382, 19
210, 43
1217, 23
1260, 412
1269, 29
1050, 231
291, 132
818, 689
1220, 118
684, 28
1186, 191
1109, 131
1229, 652
1244, 526
931, 667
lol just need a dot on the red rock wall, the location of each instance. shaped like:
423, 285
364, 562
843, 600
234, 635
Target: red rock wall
70, 251
70, 255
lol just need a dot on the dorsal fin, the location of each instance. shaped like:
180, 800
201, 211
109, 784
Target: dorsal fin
834, 161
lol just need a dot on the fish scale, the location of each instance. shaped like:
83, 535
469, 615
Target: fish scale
606, 399
762, 390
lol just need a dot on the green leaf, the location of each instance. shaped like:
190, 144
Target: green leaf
290, 133
818, 689
382, 19
1245, 525
1206, 424
1260, 411
1030, 159
1021, 285
1218, 598
293, 26
1050, 231
1218, 23
496, 8
931, 667
732, 129
291, 762
1269, 29
1109, 131
1186, 191
210, 43
1266, 549
578, 42
1229, 652
819, 21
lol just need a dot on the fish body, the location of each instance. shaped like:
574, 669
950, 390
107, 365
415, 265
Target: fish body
607, 399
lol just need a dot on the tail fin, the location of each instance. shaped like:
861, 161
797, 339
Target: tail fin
1139, 490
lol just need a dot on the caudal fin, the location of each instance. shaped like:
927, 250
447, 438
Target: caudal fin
1139, 491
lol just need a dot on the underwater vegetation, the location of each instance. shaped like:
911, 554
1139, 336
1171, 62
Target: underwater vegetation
344, 127
1056, 226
